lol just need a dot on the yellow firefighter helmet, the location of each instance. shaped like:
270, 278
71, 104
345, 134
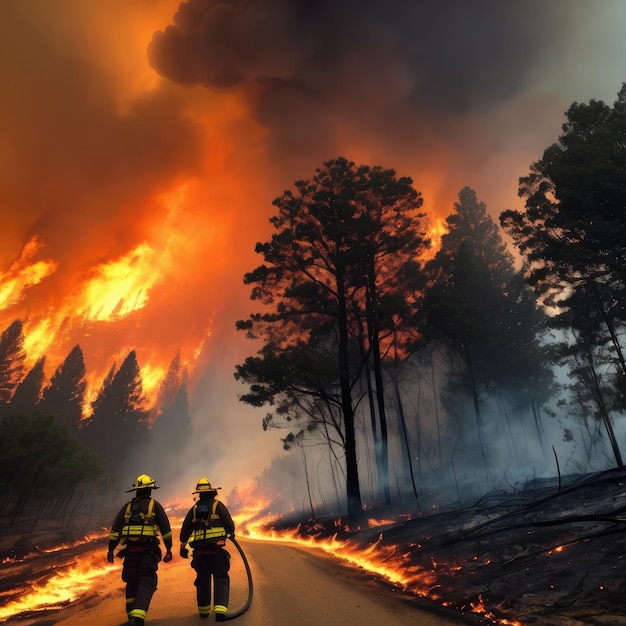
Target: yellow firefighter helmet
204, 486
143, 482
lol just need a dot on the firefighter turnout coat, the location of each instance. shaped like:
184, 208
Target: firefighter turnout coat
138, 523
208, 529
136, 527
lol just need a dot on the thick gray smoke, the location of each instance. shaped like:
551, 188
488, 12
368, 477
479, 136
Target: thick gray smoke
420, 77
102, 154
450, 91
453, 93
445, 57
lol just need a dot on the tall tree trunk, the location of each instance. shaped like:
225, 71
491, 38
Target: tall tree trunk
536, 409
353, 489
334, 462
606, 418
307, 479
405, 438
382, 445
610, 327
374, 339
436, 405
479, 421
378, 447
511, 438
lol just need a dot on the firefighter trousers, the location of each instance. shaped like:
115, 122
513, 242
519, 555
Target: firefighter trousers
140, 575
215, 564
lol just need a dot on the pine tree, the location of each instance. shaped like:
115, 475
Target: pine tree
479, 308
65, 394
171, 429
118, 422
12, 357
28, 392
334, 282
572, 234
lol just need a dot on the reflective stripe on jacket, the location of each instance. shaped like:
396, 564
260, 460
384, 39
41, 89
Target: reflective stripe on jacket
211, 529
133, 529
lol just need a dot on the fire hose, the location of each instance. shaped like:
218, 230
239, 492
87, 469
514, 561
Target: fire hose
246, 606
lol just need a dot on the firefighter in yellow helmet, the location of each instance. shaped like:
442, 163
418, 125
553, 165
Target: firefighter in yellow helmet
136, 526
206, 527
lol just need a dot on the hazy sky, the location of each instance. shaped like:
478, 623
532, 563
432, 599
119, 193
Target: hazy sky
144, 140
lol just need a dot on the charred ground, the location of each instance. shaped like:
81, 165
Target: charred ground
550, 555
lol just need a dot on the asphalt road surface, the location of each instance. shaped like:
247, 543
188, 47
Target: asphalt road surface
292, 586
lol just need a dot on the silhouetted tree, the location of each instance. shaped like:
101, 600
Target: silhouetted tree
171, 426
41, 465
590, 357
572, 233
64, 396
344, 242
589, 388
119, 416
169, 385
478, 306
12, 357
28, 392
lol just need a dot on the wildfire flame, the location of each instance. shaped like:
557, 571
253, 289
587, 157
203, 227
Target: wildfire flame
67, 583
435, 232
385, 561
114, 303
88, 538
23, 273
119, 287
389, 562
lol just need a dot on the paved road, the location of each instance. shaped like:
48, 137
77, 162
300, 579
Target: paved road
293, 586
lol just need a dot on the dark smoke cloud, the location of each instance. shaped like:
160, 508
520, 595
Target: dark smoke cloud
410, 82
450, 92
452, 54
249, 97
445, 56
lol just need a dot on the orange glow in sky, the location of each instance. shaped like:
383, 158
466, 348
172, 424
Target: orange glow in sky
136, 178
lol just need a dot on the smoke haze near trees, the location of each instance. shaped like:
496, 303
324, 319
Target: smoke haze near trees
83, 191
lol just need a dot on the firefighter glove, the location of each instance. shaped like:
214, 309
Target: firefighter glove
168, 557
110, 556
184, 552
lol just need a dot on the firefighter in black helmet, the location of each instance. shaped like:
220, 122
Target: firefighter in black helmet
206, 527
136, 527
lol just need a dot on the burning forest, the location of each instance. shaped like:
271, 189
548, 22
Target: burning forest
363, 265
548, 554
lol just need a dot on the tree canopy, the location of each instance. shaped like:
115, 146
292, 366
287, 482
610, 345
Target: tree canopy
40, 462
572, 233
119, 414
12, 357
477, 305
65, 394
337, 264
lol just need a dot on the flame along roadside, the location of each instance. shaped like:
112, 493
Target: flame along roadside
71, 580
